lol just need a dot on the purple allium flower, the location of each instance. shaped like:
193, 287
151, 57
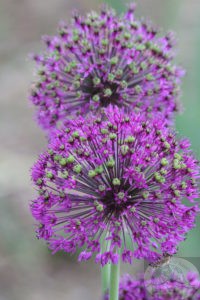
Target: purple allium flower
117, 179
178, 290
104, 59
131, 289
135, 289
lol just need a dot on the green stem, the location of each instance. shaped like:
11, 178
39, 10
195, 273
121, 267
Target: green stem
105, 271
114, 281
105, 278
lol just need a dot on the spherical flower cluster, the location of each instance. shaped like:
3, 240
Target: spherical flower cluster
119, 180
104, 59
134, 289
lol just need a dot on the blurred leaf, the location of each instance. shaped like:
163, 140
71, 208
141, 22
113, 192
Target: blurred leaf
171, 11
188, 124
119, 5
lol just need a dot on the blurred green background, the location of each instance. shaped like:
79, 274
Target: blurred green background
27, 269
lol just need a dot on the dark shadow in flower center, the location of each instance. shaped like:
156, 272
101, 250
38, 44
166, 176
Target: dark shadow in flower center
107, 91
117, 207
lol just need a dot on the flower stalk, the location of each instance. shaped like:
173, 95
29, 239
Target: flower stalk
105, 278
114, 281
105, 272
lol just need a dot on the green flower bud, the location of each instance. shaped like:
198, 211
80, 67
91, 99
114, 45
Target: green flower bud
110, 163
70, 159
39, 181
133, 209
104, 131
112, 136
99, 170
107, 92
130, 139
75, 134
63, 161
121, 195
65, 174
164, 161
96, 81
177, 156
114, 60
124, 149
166, 145
99, 207
156, 220
77, 169
177, 193
145, 194
116, 181
102, 188
49, 175
143, 223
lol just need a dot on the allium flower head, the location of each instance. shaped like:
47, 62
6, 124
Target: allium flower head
134, 289
131, 289
179, 290
104, 59
119, 179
